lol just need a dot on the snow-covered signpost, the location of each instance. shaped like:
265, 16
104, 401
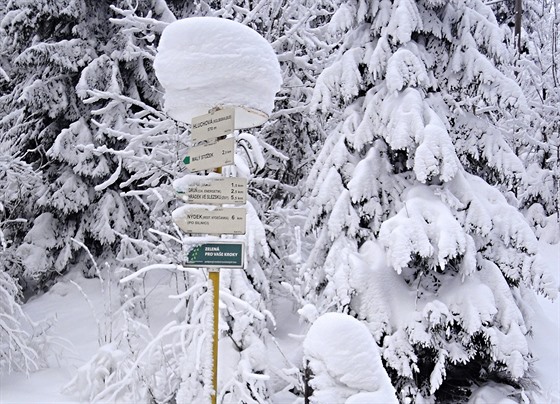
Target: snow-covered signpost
218, 76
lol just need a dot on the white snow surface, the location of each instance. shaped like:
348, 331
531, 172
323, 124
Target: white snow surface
208, 62
82, 323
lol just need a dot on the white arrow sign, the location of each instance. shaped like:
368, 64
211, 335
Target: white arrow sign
213, 125
198, 219
213, 190
210, 156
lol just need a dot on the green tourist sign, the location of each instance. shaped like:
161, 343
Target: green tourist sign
225, 255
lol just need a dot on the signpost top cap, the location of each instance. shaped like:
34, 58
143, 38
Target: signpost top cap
207, 62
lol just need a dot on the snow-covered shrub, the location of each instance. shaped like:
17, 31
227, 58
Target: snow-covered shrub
93, 377
18, 352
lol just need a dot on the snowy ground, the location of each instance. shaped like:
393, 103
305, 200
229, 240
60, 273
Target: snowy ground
546, 339
78, 321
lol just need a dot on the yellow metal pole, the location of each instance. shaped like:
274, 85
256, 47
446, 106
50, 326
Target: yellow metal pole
215, 280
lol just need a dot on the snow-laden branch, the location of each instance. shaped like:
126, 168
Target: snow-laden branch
165, 236
131, 19
4, 75
98, 95
167, 267
112, 179
235, 300
275, 183
115, 389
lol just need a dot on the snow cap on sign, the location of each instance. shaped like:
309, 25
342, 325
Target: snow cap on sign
208, 62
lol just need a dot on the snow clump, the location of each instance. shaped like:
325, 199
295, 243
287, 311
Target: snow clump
345, 362
208, 62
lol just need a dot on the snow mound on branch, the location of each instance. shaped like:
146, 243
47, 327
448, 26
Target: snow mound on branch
426, 227
208, 62
345, 362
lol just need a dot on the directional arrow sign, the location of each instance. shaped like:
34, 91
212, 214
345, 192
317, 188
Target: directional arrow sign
210, 156
225, 255
213, 125
202, 220
216, 191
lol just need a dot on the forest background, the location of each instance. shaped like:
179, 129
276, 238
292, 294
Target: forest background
407, 180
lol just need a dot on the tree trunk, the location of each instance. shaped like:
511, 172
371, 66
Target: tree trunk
518, 13
307, 389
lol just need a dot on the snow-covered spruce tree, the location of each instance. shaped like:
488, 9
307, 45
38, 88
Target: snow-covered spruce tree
412, 237
538, 74
61, 50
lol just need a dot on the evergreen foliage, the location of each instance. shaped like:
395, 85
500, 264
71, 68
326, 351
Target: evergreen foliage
55, 62
401, 196
390, 183
537, 71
